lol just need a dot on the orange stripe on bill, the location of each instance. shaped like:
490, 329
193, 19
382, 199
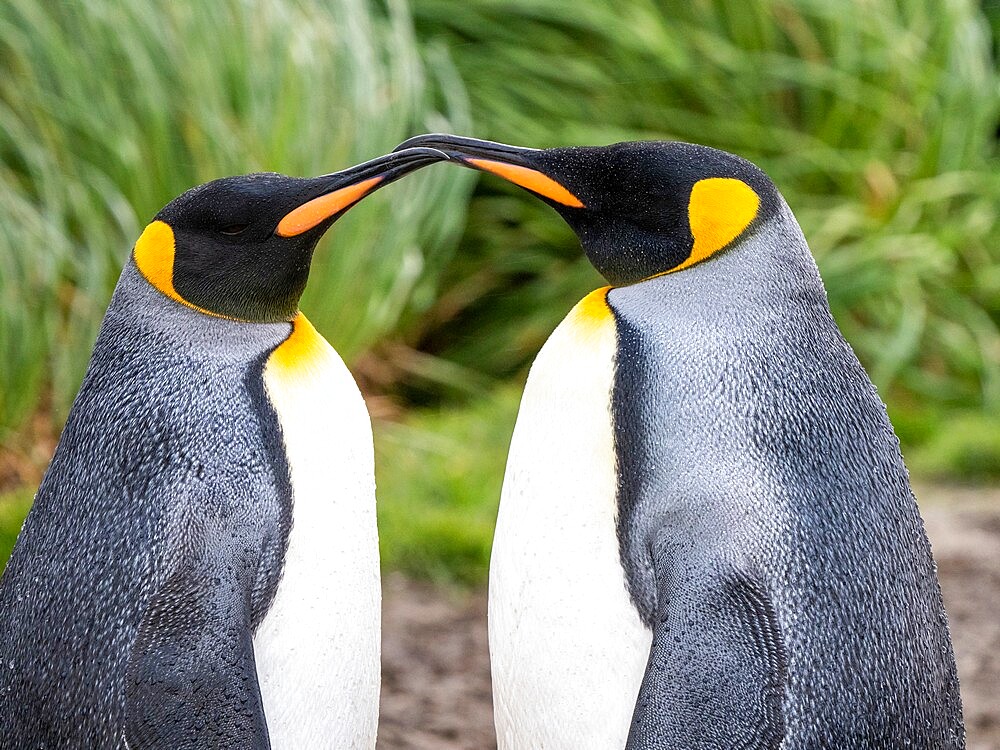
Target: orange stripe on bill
529, 179
318, 210
335, 193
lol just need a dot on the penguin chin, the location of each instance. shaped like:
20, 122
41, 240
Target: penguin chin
263, 286
626, 255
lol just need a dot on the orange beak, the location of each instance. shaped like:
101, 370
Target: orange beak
341, 190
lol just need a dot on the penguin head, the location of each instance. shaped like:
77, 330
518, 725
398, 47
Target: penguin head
241, 247
640, 209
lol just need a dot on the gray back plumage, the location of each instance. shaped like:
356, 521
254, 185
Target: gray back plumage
767, 527
170, 436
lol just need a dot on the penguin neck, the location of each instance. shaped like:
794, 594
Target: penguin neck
139, 309
705, 355
767, 280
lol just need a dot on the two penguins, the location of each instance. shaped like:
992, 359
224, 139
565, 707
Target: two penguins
706, 534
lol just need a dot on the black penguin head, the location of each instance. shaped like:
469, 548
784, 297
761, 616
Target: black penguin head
241, 247
640, 209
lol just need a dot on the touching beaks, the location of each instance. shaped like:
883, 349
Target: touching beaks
513, 163
341, 190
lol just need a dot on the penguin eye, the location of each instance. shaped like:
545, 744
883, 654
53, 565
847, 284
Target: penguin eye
234, 229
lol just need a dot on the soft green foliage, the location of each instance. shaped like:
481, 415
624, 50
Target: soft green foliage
109, 109
13, 508
968, 450
438, 475
876, 119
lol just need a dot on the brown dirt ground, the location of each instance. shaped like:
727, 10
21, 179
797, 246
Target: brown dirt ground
436, 684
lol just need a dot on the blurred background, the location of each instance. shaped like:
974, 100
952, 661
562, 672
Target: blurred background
877, 119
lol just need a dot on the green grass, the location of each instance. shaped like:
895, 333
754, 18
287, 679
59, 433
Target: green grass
876, 118
439, 475
967, 450
13, 508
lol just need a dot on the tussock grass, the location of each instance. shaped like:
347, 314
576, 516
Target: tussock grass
13, 508
439, 474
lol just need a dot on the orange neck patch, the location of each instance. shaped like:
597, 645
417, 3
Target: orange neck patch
593, 312
530, 179
719, 210
297, 354
154, 257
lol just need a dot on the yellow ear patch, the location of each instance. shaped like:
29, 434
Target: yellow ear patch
719, 210
154, 257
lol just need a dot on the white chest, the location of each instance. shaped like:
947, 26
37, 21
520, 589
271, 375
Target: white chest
567, 647
317, 650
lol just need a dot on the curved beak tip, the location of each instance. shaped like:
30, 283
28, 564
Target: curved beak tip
421, 154
450, 147
417, 141
516, 164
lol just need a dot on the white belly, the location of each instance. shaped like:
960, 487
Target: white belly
567, 647
317, 650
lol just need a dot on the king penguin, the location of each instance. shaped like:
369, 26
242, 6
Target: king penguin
706, 535
200, 565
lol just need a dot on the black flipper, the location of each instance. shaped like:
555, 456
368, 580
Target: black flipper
716, 672
191, 678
